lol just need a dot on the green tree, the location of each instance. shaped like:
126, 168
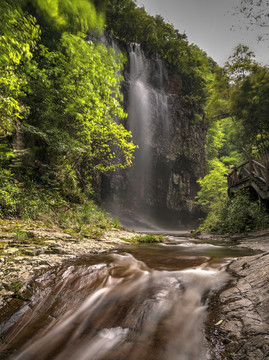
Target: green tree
249, 100
77, 89
213, 186
61, 106
239, 93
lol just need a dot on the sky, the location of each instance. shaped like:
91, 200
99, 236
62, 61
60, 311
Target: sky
208, 24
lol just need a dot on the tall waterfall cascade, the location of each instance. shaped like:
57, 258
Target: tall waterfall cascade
160, 186
147, 107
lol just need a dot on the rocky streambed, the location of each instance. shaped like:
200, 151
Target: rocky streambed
238, 324
27, 249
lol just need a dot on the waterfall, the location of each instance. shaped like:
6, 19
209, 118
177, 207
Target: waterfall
139, 122
148, 120
147, 100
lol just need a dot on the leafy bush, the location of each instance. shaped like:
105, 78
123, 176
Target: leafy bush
27, 200
235, 215
84, 218
9, 194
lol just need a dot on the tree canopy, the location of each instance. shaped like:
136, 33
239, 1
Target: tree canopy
237, 111
60, 100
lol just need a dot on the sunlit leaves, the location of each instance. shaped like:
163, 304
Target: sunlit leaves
70, 15
91, 86
213, 185
18, 37
62, 93
78, 92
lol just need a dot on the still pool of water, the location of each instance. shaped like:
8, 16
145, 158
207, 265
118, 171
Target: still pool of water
139, 302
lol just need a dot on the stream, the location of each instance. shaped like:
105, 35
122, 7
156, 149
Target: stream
138, 302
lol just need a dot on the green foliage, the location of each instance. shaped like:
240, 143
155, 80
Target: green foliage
235, 215
239, 91
15, 287
146, 239
79, 98
215, 139
21, 235
18, 37
239, 65
60, 105
229, 152
85, 219
250, 106
9, 194
237, 113
221, 153
218, 92
68, 15
213, 186
28, 201
149, 238
248, 101
37, 101
222, 142
90, 90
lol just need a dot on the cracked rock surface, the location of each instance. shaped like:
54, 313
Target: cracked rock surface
244, 307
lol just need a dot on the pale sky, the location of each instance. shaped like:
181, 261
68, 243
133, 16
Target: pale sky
208, 23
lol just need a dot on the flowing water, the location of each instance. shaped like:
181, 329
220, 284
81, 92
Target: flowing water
148, 120
139, 302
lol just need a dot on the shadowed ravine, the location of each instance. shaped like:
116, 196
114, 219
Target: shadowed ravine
149, 303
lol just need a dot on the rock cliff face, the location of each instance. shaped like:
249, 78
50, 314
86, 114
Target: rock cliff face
171, 138
185, 155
